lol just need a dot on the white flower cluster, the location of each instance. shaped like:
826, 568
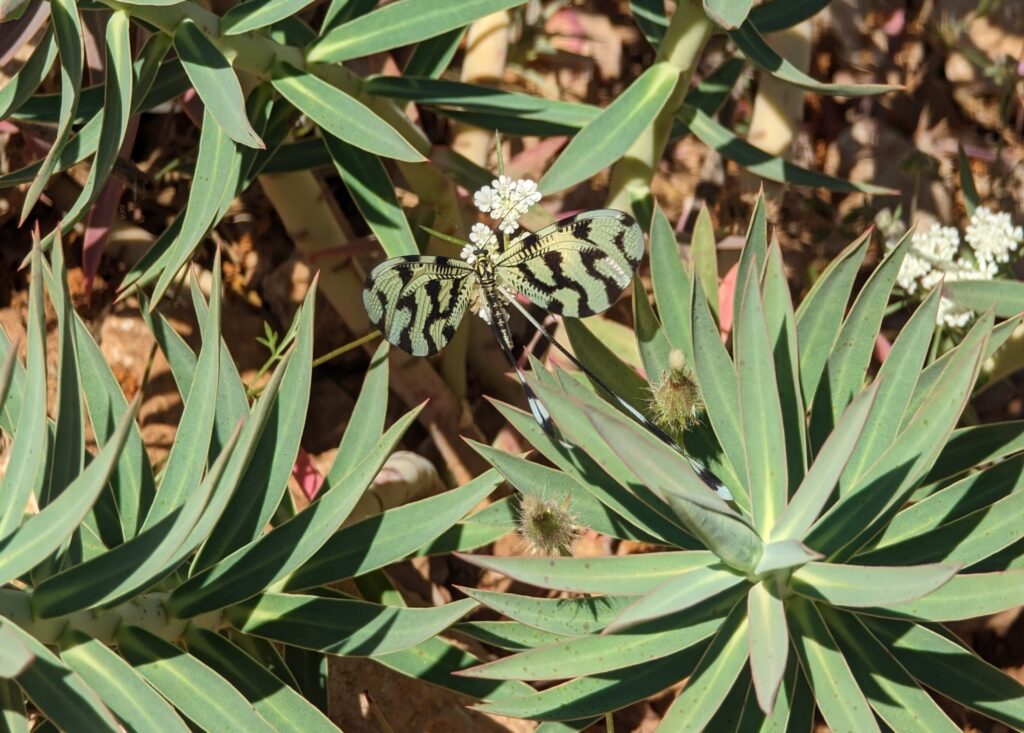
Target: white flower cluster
937, 256
507, 199
992, 236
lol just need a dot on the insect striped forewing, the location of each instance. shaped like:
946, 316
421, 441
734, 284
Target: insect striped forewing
418, 302
576, 267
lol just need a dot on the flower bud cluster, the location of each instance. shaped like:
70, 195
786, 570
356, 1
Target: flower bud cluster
940, 255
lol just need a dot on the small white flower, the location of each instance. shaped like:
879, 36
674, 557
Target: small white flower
993, 236
506, 200
952, 315
469, 254
484, 199
482, 236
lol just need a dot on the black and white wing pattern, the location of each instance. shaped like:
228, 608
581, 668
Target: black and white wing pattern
417, 302
576, 267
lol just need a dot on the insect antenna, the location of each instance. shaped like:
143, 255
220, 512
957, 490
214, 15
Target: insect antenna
710, 479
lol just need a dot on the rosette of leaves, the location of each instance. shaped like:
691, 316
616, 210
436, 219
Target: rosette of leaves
138, 596
862, 518
261, 65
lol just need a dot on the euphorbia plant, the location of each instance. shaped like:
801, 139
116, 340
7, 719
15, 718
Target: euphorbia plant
861, 519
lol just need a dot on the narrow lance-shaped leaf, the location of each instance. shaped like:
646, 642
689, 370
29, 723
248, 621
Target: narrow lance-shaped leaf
46, 531
58, 693
130, 568
770, 167
945, 666
20, 87
860, 586
847, 365
897, 376
367, 180
266, 475
888, 687
716, 377
189, 453
250, 16
342, 115
820, 315
714, 676
284, 708
760, 409
769, 642
672, 285
624, 574
268, 558
781, 324
68, 451
215, 82
390, 536
123, 689
967, 187
200, 693
728, 13
676, 594
67, 27
820, 481
29, 449
601, 653
400, 24
753, 46
836, 692
217, 169
117, 99
342, 626
609, 135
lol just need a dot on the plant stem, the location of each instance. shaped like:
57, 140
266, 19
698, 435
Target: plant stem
684, 40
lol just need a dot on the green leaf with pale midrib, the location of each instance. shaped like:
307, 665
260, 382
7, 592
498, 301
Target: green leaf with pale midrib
342, 115
597, 654
215, 82
951, 670
626, 574
607, 137
894, 695
342, 626
196, 690
44, 532
29, 449
67, 26
390, 536
284, 708
400, 24
758, 52
859, 586
268, 558
130, 568
963, 597
217, 168
601, 693
19, 88
123, 689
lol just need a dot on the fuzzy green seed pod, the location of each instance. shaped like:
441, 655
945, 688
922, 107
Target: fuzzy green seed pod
675, 399
547, 526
